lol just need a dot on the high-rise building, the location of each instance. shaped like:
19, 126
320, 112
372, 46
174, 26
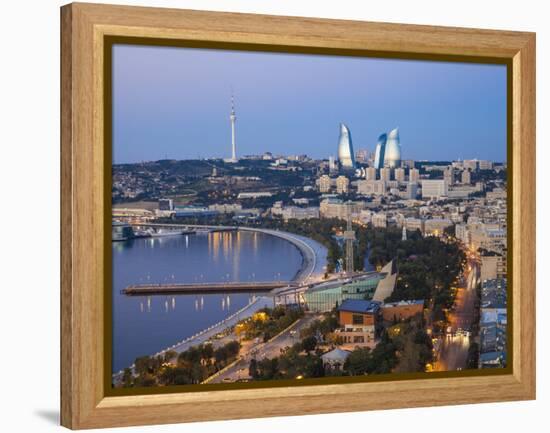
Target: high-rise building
434, 189
407, 163
412, 190
370, 173
388, 150
414, 175
332, 164
466, 177
345, 149
449, 175
342, 185
400, 174
367, 187
380, 151
325, 183
385, 174
392, 156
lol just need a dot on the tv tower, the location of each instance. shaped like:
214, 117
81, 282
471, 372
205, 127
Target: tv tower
233, 118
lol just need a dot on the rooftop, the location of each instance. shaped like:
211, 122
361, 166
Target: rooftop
359, 306
403, 303
336, 355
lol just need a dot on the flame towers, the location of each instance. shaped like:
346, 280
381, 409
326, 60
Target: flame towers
388, 150
346, 157
380, 151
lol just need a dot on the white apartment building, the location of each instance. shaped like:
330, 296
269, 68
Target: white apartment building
368, 187
434, 189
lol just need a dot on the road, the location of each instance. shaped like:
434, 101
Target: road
208, 333
454, 348
264, 350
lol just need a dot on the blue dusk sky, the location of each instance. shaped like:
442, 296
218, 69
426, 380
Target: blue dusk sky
175, 103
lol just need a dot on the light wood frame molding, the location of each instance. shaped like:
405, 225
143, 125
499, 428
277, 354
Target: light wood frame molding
83, 28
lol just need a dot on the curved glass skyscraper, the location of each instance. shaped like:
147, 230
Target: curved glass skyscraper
380, 151
388, 150
392, 156
345, 148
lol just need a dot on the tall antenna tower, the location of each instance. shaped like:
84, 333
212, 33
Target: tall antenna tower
233, 118
349, 236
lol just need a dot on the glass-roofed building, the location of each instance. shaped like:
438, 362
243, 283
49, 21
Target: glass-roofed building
327, 296
370, 286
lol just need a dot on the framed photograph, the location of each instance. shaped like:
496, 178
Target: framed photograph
267, 216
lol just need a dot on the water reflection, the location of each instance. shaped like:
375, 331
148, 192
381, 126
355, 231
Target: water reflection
145, 325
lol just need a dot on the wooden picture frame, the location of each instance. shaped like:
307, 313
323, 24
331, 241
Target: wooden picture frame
85, 220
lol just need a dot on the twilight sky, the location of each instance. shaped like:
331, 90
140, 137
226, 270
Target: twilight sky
175, 103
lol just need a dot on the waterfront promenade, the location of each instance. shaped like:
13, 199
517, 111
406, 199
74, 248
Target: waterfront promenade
313, 253
206, 334
312, 270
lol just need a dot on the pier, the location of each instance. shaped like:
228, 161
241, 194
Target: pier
195, 288
192, 228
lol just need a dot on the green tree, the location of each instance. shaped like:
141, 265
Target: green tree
253, 369
309, 343
358, 361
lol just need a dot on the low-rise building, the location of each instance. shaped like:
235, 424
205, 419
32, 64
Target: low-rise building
493, 324
335, 359
402, 310
488, 237
379, 220
226, 207
493, 266
436, 226
485, 165
413, 224
336, 208
259, 194
300, 213
358, 320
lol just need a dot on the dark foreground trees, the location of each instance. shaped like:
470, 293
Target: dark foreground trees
190, 367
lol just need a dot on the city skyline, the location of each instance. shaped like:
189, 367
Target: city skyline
176, 102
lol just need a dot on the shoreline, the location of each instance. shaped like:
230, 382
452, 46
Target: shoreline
313, 257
